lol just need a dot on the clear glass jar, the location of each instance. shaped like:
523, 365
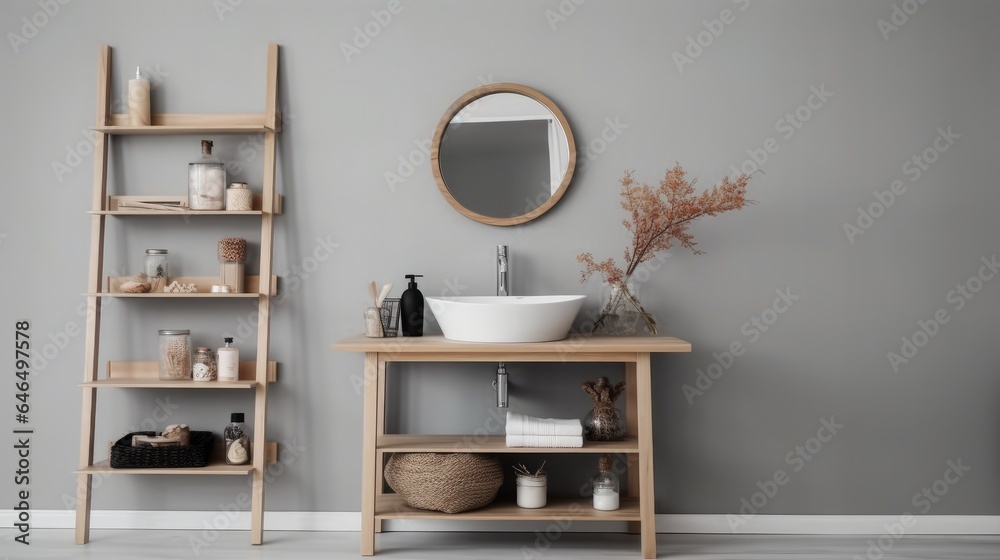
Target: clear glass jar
175, 354
155, 265
237, 441
206, 181
205, 367
606, 486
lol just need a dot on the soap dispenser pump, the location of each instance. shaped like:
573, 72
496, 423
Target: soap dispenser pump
411, 308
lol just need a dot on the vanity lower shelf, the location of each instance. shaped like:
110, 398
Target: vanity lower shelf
392, 506
424, 443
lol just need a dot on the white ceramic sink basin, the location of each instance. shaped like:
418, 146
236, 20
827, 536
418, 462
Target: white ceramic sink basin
505, 318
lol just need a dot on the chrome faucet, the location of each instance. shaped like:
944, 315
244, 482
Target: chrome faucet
503, 281
503, 289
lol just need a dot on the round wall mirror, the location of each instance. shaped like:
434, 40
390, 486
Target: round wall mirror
503, 154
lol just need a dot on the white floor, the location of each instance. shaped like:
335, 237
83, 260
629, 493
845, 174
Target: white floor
54, 544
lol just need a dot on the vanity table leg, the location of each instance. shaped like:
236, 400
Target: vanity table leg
645, 421
369, 455
380, 430
632, 430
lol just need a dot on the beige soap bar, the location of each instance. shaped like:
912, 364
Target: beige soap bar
154, 441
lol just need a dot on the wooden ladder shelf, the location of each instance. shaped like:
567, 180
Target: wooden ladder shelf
254, 376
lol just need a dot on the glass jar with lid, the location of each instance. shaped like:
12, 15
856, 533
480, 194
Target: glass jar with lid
207, 181
606, 486
175, 354
239, 198
156, 263
205, 367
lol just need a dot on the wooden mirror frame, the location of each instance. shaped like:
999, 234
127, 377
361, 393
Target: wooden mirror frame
460, 104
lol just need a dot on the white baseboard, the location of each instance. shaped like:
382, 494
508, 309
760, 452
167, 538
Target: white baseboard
672, 523
830, 524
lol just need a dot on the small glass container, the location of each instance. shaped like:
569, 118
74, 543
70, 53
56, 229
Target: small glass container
205, 368
237, 442
156, 266
532, 490
175, 355
206, 181
606, 486
239, 198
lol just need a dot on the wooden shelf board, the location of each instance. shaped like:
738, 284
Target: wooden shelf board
146, 375
392, 506
216, 465
186, 123
154, 130
598, 348
138, 383
114, 207
203, 283
423, 443
104, 467
138, 212
163, 295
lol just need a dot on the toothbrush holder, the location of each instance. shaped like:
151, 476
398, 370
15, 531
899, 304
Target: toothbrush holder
390, 317
373, 322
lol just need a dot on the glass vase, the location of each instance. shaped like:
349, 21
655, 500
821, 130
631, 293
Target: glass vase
622, 311
604, 423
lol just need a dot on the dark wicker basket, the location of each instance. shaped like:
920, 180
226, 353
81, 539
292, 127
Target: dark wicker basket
124, 456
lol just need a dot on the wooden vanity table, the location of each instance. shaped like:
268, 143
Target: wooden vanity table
637, 502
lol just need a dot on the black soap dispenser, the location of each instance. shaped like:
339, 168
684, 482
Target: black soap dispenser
411, 308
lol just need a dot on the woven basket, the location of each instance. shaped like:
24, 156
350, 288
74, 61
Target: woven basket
448, 482
124, 456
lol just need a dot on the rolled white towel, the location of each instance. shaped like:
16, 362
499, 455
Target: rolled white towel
544, 441
522, 424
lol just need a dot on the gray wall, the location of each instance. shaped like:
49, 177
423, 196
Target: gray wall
632, 105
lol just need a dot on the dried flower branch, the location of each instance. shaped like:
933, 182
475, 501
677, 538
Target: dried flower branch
657, 218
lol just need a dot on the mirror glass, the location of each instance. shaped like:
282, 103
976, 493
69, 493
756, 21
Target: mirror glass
503, 154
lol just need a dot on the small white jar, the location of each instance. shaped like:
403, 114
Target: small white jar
239, 198
531, 491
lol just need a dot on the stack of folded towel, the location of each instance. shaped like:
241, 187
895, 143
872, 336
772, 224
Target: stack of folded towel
528, 431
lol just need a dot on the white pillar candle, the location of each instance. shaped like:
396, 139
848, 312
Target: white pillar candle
138, 101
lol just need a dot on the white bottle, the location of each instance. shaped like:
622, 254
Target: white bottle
229, 362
